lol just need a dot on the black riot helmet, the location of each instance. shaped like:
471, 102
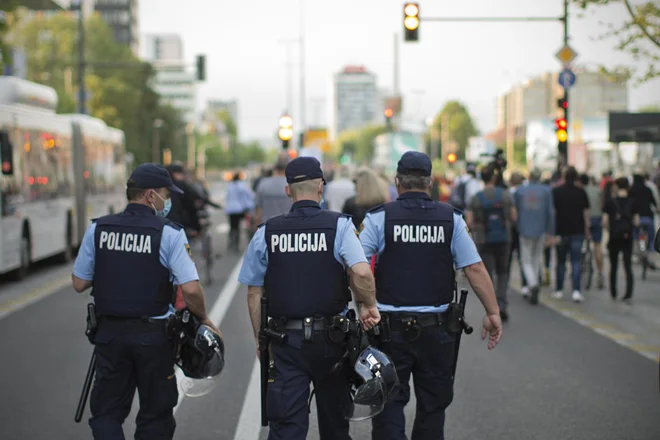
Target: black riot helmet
374, 380
201, 357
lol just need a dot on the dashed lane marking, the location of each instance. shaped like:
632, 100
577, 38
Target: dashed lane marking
31, 297
610, 331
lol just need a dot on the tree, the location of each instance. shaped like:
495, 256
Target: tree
7, 8
461, 128
639, 36
118, 84
359, 143
650, 109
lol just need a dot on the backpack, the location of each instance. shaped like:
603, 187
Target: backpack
494, 217
457, 196
621, 226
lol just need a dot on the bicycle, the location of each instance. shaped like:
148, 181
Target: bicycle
587, 265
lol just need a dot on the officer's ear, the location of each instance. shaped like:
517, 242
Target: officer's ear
288, 191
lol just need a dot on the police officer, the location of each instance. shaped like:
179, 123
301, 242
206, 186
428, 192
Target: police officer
418, 243
131, 260
299, 260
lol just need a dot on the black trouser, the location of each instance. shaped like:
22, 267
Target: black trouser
235, 229
130, 356
296, 364
515, 246
495, 257
429, 359
614, 247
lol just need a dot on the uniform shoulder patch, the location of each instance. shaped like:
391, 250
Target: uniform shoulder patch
172, 224
188, 250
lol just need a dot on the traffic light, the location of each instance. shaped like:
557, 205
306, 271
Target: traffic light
292, 154
411, 22
286, 130
451, 157
562, 135
388, 117
562, 103
201, 67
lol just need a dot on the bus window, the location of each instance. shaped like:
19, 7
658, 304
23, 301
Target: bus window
6, 154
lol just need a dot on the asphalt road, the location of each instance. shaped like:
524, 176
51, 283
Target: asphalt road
550, 378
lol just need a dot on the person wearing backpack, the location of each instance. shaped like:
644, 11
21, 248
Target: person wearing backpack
490, 214
465, 188
620, 217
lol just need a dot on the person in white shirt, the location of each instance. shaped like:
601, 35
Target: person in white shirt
339, 190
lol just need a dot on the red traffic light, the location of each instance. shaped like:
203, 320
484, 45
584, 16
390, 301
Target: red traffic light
389, 112
561, 123
562, 103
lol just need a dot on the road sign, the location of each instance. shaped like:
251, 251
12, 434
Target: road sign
566, 54
566, 78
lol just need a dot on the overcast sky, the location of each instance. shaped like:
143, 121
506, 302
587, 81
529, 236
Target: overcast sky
471, 62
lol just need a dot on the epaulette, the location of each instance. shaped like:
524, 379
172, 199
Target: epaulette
346, 216
262, 224
171, 224
458, 212
377, 208
94, 220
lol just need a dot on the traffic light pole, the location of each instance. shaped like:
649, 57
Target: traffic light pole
563, 147
81, 59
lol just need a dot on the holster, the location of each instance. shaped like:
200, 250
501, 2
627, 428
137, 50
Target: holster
92, 323
381, 332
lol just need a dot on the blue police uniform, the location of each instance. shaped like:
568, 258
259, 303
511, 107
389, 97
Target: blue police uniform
418, 244
300, 258
133, 258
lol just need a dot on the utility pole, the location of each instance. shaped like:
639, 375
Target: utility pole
81, 56
396, 79
190, 131
303, 97
563, 151
155, 148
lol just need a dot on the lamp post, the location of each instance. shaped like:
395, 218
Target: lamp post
155, 152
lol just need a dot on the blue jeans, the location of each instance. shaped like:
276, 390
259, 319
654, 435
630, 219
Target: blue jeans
648, 224
569, 244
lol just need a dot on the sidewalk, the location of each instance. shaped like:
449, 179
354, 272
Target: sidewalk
635, 326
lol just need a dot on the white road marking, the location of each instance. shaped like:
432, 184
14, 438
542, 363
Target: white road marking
249, 422
17, 303
218, 312
222, 228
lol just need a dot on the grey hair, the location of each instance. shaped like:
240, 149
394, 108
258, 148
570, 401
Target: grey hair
306, 187
412, 182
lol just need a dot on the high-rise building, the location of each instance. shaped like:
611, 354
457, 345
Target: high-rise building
122, 17
176, 86
354, 100
162, 47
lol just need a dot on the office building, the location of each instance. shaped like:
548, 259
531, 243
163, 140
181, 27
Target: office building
176, 86
122, 17
162, 47
354, 100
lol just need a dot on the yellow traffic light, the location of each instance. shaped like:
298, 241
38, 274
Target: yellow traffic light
411, 9
562, 136
389, 112
285, 133
451, 157
411, 23
286, 121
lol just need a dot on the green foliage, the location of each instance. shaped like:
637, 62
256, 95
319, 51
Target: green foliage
461, 127
638, 36
7, 8
228, 152
650, 109
118, 84
359, 143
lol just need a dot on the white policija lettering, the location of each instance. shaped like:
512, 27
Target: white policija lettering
419, 234
114, 241
303, 242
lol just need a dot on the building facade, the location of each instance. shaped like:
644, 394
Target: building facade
176, 85
122, 17
354, 100
165, 47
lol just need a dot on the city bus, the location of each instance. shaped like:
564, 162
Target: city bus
57, 173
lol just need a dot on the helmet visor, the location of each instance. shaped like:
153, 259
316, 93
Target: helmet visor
192, 387
368, 400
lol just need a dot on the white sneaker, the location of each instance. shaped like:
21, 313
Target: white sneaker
558, 294
577, 296
524, 292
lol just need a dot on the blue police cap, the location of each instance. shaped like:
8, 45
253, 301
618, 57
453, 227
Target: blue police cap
151, 176
302, 169
414, 162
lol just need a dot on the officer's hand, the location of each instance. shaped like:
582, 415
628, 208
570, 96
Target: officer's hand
212, 326
369, 316
492, 327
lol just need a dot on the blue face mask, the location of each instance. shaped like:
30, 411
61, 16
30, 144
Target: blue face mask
166, 207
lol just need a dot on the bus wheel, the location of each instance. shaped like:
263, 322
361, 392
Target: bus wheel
22, 271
